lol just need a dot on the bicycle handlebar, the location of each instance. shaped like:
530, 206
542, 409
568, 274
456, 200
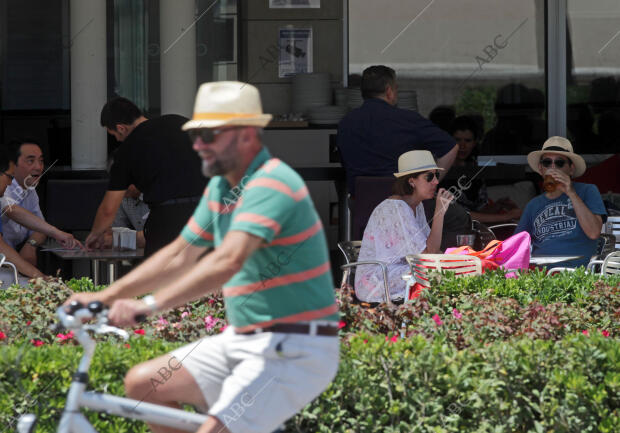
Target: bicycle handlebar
71, 318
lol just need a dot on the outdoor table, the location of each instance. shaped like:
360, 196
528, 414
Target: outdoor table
112, 257
551, 260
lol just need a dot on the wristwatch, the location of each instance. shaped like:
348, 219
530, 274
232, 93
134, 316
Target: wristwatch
32, 242
149, 300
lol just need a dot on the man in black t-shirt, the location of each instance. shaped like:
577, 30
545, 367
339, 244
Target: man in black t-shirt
157, 157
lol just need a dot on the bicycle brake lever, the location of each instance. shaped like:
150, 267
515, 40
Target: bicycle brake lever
106, 329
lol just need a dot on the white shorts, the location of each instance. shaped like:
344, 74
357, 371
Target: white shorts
253, 383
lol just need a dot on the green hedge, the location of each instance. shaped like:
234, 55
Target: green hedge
410, 385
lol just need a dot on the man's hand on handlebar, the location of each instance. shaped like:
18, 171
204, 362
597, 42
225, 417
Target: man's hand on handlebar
123, 312
86, 298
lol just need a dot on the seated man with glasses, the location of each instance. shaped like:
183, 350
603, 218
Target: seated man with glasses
567, 217
25, 218
398, 227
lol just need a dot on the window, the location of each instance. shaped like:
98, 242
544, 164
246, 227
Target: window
482, 58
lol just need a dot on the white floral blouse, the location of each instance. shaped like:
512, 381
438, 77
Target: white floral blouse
393, 231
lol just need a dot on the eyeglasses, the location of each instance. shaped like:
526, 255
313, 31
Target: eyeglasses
207, 135
430, 175
10, 176
559, 163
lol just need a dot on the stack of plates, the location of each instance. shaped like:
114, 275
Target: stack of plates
311, 91
327, 115
340, 96
354, 98
408, 99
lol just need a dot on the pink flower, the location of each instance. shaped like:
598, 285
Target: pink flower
2, 335
37, 343
210, 322
184, 314
162, 321
28, 323
392, 339
365, 341
223, 328
342, 324
605, 333
585, 332
177, 325
437, 320
457, 315
128, 346
139, 331
63, 337
211, 301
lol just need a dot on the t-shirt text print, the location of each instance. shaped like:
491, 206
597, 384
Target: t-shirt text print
556, 220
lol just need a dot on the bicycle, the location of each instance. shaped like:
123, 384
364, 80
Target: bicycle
72, 421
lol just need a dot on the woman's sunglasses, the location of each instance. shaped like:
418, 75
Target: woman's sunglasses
559, 163
430, 175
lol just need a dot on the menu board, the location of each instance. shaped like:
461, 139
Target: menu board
295, 51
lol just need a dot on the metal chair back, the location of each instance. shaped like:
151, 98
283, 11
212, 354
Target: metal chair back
425, 267
350, 250
606, 245
611, 264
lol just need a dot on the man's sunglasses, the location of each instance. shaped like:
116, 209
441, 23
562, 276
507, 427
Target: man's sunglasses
559, 163
9, 175
207, 135
430, 175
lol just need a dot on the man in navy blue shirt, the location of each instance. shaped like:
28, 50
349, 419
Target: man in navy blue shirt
373, 136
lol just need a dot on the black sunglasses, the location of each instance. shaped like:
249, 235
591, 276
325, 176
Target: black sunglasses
9, 175
207, 135
559, 163
430, 175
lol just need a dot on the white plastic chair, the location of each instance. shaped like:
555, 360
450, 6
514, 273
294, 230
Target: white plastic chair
423, 265
3, 262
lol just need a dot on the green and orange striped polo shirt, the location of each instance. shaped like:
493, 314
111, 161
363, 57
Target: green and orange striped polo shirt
288, 279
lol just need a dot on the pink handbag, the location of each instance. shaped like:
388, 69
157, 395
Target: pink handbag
511, 254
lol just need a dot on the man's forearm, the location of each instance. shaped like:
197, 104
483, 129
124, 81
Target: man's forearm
197, 283
103, 221
31, 221
446, 161
23, 267
590, 223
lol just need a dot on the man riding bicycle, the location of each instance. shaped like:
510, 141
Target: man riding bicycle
270, 260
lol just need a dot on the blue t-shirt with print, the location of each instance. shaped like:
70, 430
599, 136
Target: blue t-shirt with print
554, 228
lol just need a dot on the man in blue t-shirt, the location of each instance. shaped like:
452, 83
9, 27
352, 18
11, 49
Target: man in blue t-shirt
568, 220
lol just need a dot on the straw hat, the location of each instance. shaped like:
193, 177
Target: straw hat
557, 145
415, 161
227, 103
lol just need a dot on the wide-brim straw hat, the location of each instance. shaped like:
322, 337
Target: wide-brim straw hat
416, 161
227, 103
561, 146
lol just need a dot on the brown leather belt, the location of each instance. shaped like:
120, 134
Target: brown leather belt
294, 328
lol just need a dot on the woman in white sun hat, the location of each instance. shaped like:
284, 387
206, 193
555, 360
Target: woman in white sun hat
398, 227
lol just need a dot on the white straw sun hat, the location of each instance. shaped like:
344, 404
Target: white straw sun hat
416, 161
227, 103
